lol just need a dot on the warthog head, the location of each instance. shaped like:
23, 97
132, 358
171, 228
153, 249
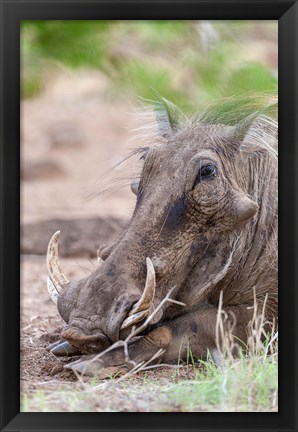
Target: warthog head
193, 199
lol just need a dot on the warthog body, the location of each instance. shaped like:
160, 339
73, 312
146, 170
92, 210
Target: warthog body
206, 217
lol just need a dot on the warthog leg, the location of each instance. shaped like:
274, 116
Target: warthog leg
194, 332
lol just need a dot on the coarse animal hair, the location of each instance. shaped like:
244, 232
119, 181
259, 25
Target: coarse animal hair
152, 117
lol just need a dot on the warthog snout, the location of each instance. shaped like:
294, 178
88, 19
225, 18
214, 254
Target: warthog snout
107, 320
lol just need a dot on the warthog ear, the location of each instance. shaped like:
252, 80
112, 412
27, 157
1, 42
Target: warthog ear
168, 116
255, 133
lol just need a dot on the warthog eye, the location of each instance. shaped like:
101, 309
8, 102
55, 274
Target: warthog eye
206, 171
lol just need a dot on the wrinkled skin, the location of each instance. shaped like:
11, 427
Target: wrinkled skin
206, 230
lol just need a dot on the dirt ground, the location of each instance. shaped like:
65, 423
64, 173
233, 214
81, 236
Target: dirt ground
70, 138
47, 386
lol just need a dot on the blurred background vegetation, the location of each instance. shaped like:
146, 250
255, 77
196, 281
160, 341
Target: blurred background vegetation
188, 62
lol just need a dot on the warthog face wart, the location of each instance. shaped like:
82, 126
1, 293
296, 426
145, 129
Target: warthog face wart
199, 204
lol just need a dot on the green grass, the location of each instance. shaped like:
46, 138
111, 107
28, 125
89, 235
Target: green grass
247, 384
137, 55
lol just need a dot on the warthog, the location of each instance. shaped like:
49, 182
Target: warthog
203, 231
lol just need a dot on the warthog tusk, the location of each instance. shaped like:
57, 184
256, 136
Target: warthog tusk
149, 292
133, 319
56, 280
53, 293
142, 307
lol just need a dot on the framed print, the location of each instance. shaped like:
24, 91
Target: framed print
148, 218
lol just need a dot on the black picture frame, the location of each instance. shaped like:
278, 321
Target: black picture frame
12, 12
